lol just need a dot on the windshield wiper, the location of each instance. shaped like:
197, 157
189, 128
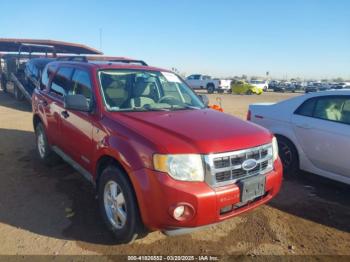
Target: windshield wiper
184, 107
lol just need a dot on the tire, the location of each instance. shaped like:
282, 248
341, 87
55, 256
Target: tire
3, 85
249, 92
289, 155
210, 88
43, 147
18, 94
123, 221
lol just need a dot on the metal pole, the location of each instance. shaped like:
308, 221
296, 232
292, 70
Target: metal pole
100, 31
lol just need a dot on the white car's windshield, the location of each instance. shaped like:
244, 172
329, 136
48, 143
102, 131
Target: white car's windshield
140, 90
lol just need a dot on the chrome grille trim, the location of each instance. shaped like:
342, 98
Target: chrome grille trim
262, 154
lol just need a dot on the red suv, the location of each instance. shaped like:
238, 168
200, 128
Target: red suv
159, 157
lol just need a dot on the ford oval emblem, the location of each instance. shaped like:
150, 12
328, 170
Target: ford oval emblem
249, 164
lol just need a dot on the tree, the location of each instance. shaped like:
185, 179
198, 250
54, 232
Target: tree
338, 79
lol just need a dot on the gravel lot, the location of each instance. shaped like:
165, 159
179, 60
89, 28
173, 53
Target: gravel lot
54, 211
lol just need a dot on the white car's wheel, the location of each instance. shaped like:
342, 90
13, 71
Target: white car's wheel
288, 154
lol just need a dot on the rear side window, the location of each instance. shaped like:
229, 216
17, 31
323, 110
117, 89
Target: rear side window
329, 108
61, 83
46, 75
81, 84
307, 108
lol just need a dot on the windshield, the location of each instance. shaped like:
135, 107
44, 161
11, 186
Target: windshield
139, 90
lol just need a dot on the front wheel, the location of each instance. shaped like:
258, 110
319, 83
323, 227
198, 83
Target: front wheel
18, 94
210, 89
42, 145
118, 205
3, 84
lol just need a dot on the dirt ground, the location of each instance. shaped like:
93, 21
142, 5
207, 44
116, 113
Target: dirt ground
54, 211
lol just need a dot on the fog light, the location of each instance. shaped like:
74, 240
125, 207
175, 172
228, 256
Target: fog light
178, 212
182, 212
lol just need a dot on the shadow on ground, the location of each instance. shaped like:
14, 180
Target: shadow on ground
315, 198
8, 100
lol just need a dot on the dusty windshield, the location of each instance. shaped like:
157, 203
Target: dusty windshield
138, 90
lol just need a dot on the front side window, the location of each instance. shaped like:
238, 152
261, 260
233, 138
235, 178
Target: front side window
139, 90
61, 82
48, 71
346, 112
81, 84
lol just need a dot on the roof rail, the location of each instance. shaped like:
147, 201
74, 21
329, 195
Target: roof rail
72, 58
104, 59
129, 61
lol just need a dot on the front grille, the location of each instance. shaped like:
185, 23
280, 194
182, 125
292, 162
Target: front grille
227, 168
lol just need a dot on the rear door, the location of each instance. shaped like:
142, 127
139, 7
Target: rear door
76, 125
59, 87
322, 126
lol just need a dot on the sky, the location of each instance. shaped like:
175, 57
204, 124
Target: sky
295, 38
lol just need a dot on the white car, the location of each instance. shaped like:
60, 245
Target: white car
313, 132
206, 82
261, 84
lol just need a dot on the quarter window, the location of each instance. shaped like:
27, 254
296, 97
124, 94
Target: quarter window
307, 108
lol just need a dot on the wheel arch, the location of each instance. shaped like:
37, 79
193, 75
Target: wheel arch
210, 84
36, 120
292, 143
107, 160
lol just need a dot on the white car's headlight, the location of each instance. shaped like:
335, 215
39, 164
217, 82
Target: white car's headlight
274, 148
180, 167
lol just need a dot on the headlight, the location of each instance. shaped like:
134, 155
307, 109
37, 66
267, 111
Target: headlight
180, 167
274, 148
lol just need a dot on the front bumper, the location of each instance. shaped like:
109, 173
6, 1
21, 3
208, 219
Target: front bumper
157, 192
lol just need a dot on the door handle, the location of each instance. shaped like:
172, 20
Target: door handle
65, 114
304, 126
43, 102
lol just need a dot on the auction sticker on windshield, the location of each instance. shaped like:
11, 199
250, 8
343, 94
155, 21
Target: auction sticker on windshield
171, 77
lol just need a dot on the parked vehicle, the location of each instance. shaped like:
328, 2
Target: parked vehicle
240, 87
340, 85
33, 70
206, 82
260, 84
15, 54
316, 87
151, 147
313, 132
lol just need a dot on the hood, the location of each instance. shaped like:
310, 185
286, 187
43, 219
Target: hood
194, 131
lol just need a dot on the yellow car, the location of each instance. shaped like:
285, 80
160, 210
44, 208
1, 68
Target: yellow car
241, 87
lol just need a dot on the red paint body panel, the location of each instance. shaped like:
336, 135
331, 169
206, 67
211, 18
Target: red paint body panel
132, 138
157, 192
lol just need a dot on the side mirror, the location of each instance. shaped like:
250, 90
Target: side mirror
204, 99
77, 102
